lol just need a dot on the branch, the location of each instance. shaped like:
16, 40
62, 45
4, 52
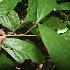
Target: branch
20, 35
30, 29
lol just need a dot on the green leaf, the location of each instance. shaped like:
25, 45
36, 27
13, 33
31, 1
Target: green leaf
21, 50
44, 8
31, 11
54, 23
1, 0
63, 6
10, 20
5, 63
57, 46
67, 35
7, 6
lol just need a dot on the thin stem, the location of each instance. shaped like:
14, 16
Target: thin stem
20, 35
30, 29
20, 25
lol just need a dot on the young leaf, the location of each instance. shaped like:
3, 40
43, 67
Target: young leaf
44, 8
63, 6
10, 20
57, 46
7, 6
5, 63
21, 50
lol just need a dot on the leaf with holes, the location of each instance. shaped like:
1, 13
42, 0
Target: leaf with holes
7, 6
63, 6
10, 20
57, 46
44, 8
21, 50
5, 63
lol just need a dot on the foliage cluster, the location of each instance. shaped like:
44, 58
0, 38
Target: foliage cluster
46, 20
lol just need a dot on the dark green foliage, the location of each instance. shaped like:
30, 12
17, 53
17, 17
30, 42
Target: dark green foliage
55, 16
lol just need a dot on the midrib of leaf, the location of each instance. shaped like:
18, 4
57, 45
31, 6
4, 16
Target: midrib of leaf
41, 13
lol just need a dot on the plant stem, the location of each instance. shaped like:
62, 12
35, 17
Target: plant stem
20, 35
20, 25
30, 29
